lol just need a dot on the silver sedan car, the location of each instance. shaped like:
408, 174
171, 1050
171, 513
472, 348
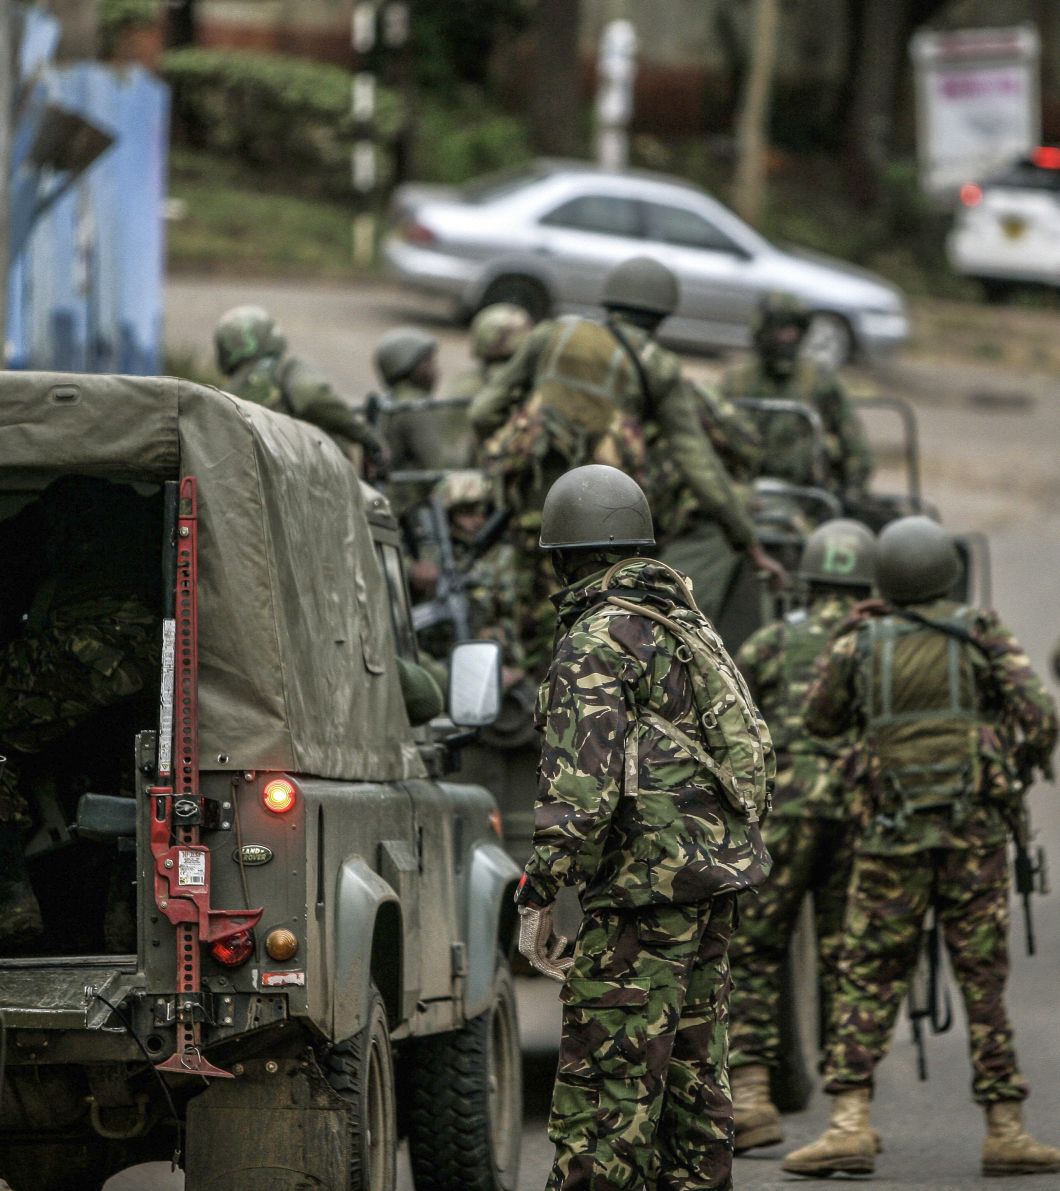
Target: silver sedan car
545, 236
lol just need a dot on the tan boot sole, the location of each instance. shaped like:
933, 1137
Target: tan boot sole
854, 1164
760, 1135
999, 1169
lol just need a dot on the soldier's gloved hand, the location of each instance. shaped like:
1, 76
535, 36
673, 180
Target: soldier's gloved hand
761, 561
542, 949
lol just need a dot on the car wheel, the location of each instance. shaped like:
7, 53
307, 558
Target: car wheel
522, 291
829, 341
465, 1118
361, 1070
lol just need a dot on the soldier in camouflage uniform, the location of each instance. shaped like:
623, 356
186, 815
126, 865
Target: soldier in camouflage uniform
577, 392
497, 332
252, 356
88, 641
632, 808
489, 580
777, 370
810, 832
945, 701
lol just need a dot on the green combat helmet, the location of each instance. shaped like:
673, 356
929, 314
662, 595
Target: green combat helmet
840, 553
400, 350
641, 283
465, 487
498, 331
916, 560
595, 506
246, 333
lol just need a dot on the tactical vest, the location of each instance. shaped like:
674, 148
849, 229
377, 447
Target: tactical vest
922, 716
735, 745
575, 415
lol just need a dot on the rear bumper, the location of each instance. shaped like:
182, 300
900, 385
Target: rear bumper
430, 271
880, 336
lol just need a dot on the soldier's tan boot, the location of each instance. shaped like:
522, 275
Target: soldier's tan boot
1009, 1148
757, 1118
848, 1145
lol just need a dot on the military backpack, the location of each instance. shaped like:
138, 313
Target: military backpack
922, 717
735, 746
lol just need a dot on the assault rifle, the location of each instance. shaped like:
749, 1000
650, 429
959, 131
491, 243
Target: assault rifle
928, 999
1032, 874
449, 604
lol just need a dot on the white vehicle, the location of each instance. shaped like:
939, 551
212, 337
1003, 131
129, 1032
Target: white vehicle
547, 235
1007, 229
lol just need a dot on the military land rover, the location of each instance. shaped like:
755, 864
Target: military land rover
272, 938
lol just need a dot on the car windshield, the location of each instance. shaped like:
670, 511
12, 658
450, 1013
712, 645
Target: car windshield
502, 183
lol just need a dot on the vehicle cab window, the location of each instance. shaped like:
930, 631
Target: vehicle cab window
400, 608
601, 213
685, 229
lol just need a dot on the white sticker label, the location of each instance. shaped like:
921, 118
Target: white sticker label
282, 979
165, 716
191, 868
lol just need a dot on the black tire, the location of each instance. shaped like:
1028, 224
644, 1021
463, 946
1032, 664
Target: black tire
361, 1070
520, 290
466, 1101
995, 291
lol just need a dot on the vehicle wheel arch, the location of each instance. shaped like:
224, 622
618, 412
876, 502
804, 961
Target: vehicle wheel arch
527, 287
489, 912
387, 958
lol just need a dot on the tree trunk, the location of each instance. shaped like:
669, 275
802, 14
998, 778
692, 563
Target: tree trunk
181, 29
80, 22
554, 107
752, 128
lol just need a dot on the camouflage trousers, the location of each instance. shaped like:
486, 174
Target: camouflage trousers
810, 856
889, 898
642, 1092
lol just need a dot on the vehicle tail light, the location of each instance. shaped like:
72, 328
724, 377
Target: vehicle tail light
496, 822
1047, 157
971, 194
234, 950
279, 795
414, 232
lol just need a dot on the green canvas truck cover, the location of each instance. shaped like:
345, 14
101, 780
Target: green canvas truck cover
297, 669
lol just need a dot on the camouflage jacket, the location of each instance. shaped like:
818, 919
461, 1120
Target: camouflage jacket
1017, 727
670, 417
622, 809
778, 663
468, 383
788, 454
291, 386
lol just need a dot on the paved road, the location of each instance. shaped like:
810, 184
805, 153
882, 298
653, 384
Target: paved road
989, 442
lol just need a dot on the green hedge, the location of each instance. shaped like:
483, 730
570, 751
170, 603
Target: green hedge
290, 119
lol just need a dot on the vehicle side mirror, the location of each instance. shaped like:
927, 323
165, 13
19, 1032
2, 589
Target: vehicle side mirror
475, 683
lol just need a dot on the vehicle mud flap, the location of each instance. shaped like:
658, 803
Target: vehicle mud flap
277, 1126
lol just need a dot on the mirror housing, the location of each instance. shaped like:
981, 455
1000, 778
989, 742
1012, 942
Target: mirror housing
474, 697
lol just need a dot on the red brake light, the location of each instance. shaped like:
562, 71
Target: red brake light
971, 194
234, 950
1047, 157
279, 795
417, 233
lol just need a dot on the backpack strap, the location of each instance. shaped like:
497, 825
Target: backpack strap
634, 359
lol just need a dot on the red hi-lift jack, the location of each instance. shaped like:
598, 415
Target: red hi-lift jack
182, 862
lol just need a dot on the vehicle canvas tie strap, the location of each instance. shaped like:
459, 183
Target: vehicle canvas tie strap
182, 861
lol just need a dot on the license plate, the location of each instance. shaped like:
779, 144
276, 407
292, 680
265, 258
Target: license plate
1013, 227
